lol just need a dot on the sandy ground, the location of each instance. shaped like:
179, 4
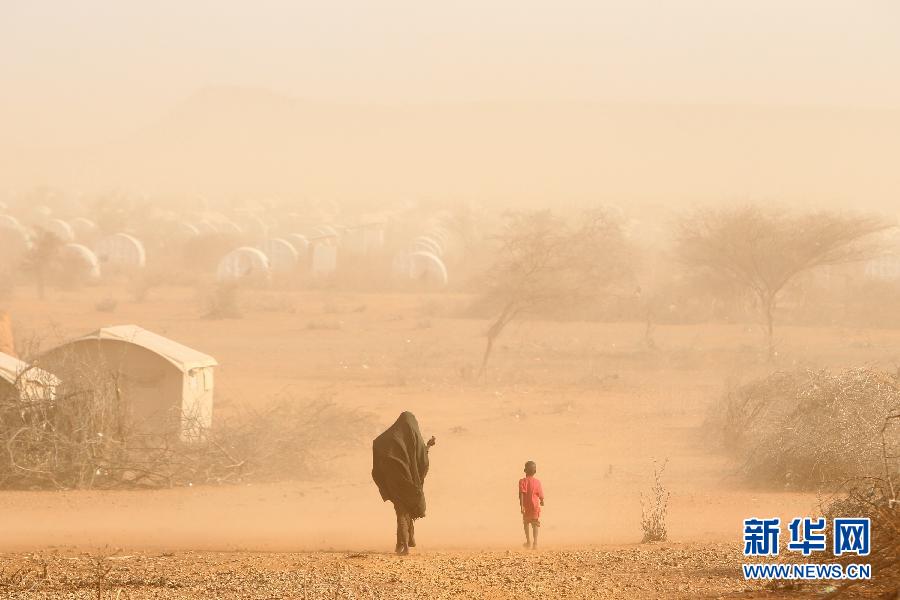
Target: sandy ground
586, 401
660, 571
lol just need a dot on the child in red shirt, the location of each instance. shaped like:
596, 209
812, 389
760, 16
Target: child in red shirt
531, 499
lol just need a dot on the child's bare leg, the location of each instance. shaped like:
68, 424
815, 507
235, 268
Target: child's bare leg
534, 532
527, 535
411, 527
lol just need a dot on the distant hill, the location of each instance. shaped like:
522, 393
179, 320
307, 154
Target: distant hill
225, 142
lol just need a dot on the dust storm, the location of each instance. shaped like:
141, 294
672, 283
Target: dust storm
664, 267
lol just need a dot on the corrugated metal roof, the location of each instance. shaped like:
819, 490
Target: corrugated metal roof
12, 369
178, 354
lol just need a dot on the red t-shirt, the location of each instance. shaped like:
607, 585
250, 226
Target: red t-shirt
534, 493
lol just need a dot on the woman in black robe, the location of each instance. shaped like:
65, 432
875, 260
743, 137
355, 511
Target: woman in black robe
399, 466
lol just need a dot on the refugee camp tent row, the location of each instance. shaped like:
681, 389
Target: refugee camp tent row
167, 388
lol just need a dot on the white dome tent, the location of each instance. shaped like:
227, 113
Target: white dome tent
423, 267
254, 227
427, 267
427, 244
283, 257
80, 262
121, 251
243, 264
62, 230
327, 231
229, 227
184, 230
206, 228
84, 228
300, 244
10, 221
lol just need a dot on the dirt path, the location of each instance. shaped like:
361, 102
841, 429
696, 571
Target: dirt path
663, 571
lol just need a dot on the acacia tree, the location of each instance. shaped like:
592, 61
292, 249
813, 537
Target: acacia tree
42, 257
544, 263
762, 250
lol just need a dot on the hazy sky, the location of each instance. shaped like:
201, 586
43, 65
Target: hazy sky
99, 67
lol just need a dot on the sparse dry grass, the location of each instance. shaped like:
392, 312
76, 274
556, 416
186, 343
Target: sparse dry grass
664, 571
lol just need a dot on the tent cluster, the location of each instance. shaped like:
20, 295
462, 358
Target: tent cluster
313, 252
84, 253
250, 246
424, 258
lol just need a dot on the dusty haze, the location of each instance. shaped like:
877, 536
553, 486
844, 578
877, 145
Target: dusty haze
273, 168
506, 102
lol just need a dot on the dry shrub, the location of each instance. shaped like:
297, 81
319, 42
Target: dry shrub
872, 499
86, 439
141, 285
655, 508
290, 438
876, 498
272, 302
107, 305
223, 302
808, 429
325, 325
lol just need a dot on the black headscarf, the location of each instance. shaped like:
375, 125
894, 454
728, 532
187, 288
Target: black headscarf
400, 463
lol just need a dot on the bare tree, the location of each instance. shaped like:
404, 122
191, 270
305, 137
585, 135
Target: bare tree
762, 250
544, 263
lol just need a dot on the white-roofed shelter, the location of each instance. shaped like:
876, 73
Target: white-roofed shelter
20, 381
166, 387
